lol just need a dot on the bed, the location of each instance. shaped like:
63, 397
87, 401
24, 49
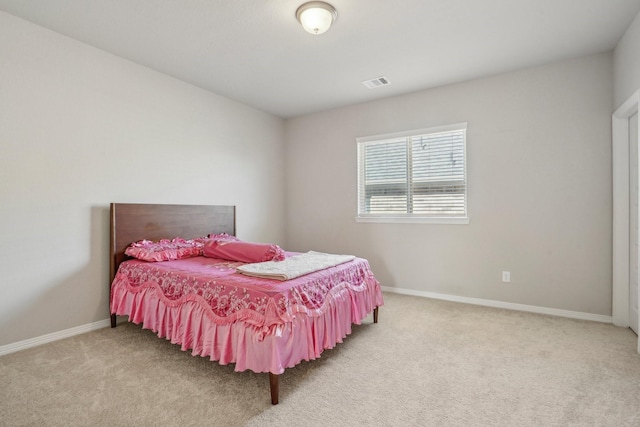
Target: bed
208, 307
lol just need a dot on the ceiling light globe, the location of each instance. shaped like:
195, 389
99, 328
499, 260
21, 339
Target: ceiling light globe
316, 17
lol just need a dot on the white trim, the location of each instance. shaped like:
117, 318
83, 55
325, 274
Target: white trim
403, 134
502, 304
620, 249
54, 336
413, 219
67, 333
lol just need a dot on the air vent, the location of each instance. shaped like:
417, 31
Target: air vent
377, 82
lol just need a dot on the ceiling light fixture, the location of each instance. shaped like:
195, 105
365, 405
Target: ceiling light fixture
316, 16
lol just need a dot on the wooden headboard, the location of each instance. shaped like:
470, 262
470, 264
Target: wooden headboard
131, 222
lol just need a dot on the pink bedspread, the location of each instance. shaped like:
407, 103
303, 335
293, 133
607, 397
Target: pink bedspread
259, 324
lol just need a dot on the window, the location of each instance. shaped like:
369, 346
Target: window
416, 176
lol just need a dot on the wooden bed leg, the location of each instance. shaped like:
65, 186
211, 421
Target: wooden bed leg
375, 315
113, 320
274, 383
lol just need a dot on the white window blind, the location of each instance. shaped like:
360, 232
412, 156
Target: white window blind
418, 174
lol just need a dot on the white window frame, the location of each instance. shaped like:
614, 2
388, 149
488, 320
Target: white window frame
410, 217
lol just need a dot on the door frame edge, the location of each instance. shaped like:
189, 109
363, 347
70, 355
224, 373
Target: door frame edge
620, 232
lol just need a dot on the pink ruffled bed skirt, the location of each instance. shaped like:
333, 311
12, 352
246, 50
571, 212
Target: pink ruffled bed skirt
191, 325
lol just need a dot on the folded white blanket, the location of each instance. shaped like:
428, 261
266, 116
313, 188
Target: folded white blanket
295, 266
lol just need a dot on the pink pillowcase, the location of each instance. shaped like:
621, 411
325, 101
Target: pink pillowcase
221, 236
237, 250
165, 249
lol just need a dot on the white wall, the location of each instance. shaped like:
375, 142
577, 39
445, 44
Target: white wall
80, 128
539, 178
626, 64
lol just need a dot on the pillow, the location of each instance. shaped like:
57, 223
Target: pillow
165, 249
221, 236
237, 250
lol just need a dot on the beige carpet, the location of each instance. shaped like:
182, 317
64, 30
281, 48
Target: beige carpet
427, 363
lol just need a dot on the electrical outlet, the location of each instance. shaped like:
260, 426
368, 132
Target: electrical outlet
506, 276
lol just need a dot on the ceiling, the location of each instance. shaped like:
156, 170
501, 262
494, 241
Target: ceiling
255, 51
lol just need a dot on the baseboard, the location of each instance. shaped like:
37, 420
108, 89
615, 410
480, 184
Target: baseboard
67, 333
54, 336
502, 304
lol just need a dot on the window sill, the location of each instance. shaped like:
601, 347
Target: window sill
412, 220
